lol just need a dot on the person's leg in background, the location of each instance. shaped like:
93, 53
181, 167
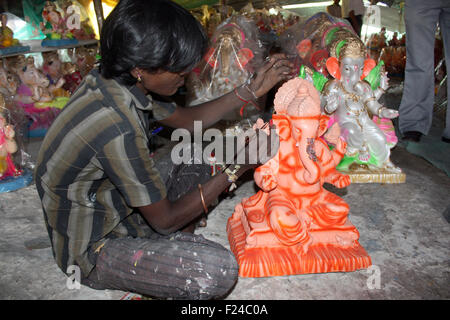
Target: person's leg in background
444, 22
359, 19
416, 108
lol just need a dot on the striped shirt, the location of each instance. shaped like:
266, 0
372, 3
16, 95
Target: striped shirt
94, 167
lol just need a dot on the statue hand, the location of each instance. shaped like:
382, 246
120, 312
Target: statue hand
384, 81
333, 133
341, 146
331, 103
339, 180
388, 113
268, 183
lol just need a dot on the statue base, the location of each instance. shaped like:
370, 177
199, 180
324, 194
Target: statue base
362, 174
282, 260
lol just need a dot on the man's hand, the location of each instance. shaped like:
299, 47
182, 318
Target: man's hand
276, 69
258, 146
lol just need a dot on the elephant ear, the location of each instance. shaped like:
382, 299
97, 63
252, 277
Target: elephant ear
323, 124
333, 67
282, 125
369, 64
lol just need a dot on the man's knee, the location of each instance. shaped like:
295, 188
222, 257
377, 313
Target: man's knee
217, 276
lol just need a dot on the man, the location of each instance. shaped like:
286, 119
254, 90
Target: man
126, 220
335, 9
353, 11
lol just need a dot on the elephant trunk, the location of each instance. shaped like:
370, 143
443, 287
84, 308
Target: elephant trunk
309, 159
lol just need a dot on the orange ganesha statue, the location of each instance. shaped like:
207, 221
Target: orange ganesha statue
293, 225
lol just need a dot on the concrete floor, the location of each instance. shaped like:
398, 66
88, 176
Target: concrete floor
402, 227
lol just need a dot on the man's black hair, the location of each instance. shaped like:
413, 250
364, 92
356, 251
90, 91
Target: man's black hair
152, 35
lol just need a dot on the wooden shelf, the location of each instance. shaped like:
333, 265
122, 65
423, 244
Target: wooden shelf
39, 48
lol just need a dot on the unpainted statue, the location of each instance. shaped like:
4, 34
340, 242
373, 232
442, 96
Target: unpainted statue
234, 54
293, 225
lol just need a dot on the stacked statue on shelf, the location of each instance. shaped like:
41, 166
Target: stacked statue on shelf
63, 25
72, 76
52, 68
80, 29
35, 93
35, 87
8, 145
8, 82
9, 44
54, 25
6, 34
293, 225
15, 164
84, 59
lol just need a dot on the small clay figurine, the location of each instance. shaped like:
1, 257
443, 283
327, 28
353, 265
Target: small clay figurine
85, 60
8, 83
8, 145
72, 76
6, 34
52, 68
54, 25
80, 30
34, 85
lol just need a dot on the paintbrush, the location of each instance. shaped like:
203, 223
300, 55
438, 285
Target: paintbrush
247, 141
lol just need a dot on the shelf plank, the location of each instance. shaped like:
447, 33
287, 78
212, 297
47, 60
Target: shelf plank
46, 49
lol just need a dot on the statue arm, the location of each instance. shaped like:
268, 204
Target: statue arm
370, 100
378, 93
379, 110
330, 97
384, 84
265, 175
331, 175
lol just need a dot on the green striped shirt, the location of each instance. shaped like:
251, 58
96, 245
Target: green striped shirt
94, 167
